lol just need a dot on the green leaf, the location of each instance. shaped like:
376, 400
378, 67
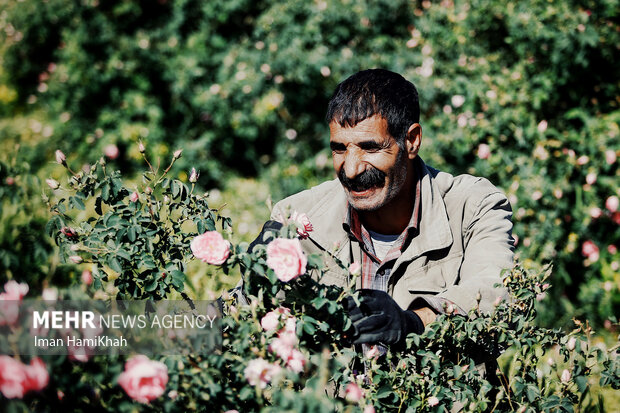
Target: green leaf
114, 264
105, 192
124, 254
152, 284
53, 225
77, 203
131, 234
178, 279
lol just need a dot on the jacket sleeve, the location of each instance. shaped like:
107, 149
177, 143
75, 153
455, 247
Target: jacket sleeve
488, 251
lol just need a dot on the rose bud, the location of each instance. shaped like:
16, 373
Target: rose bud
52, 183
193, 176
60, 157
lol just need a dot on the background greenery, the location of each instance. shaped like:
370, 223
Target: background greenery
241, 86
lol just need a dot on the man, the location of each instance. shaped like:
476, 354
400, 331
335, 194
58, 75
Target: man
427, 241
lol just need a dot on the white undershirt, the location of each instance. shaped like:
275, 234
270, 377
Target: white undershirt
382, 243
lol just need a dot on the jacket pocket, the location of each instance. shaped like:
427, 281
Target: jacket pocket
436, 276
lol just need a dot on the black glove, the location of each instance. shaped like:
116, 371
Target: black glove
266, 234
378, 319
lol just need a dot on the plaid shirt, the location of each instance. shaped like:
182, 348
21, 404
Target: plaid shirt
376, 273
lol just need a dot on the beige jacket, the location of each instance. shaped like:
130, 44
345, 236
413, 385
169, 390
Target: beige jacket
464, 240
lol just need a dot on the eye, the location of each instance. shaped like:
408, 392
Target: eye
337, 147
370, 146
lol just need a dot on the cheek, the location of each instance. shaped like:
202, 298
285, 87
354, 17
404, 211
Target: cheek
337, 161
381, 162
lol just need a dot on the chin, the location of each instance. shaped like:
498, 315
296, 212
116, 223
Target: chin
367, 204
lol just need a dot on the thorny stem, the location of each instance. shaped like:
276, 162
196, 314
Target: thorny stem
149, 164
161, 178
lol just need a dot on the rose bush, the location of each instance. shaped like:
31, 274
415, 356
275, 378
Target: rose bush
287, 348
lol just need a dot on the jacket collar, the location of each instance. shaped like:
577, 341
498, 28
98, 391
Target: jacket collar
434, 231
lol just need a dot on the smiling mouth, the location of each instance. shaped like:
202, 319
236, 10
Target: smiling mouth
364, 192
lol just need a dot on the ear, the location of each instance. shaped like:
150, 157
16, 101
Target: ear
413, 140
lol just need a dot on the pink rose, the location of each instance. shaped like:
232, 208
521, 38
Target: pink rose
296, 361
595, 212
36, 375
353, 393
484, 151
590, 250
271, 320
87, 277
369, 409
304, 226
12, 378
211, 248
571, 343
610, 156
583, 159
134, 196
284, 344
286, 259
612, 203
433, 401
16, 378
355, 268
591, 178
143, 379
565, 376
14, 290
111, 151
260, 372
612, 249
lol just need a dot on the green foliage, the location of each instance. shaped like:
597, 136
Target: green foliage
542, 370
24, 254
244, 85
134, 239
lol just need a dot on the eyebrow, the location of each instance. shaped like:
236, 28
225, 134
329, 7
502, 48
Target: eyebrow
336, 146
364, 145
370, 145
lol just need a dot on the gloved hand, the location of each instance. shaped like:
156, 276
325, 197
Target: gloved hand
378, 319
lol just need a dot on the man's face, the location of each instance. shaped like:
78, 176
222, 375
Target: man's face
370, 165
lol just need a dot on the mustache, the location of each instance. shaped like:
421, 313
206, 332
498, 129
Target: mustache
368, 179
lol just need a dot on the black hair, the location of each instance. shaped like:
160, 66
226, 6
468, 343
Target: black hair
376, 91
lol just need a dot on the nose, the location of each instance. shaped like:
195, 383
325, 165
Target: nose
353, 164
